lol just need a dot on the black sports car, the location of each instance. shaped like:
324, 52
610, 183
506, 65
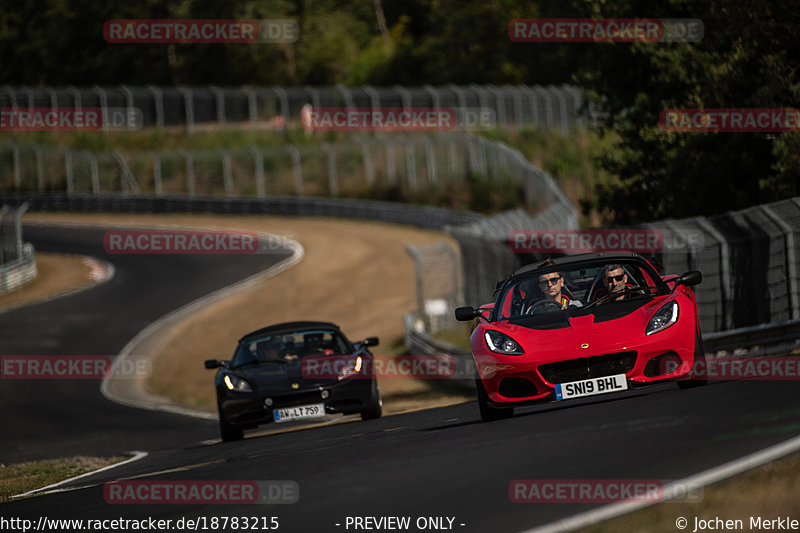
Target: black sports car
269, 378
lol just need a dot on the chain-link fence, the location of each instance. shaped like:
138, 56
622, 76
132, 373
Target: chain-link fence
438, 285
416, 168
546, 108
17, 263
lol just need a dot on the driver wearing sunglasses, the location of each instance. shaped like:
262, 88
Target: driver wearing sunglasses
615, 280
551, 285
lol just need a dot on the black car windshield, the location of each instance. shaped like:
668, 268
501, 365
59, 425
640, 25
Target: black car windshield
289, 347
577, 287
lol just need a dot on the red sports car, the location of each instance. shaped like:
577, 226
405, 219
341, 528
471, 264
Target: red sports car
583, 325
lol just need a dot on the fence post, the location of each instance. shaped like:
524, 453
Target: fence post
391, 168
219, 96
69, 172
459, 92
158, 104
333, 182
369, 171
435, 100
411, 165
549, 121
298, 169
128, 179
284, 105
500, 104
188, 105
374, 97
431, 160
227, 170
190, 185
76, 98
103, 105
516, 95
258, 159
18, 227
157, 182
129, 108
405, 95
95, 172
3, 211
252, 107
17, 169
348, 101
11, 96
39, 166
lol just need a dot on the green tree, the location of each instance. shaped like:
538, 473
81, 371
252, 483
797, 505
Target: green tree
748, 58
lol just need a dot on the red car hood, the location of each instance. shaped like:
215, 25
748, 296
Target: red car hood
601, 333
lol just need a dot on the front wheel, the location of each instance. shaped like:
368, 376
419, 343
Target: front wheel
374, 407
229, 432
699, 359
488, 412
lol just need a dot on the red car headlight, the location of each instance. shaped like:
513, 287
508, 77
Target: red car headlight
502, 343
664, 318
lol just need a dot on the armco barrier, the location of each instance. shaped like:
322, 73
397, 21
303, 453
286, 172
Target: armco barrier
16, 273
419, 216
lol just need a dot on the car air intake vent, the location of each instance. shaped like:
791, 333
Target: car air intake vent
588, 367
516, 388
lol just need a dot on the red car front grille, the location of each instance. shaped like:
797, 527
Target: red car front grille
588, 367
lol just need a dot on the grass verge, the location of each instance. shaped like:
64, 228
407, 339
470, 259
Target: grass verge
57, 274
23, 477
769, 491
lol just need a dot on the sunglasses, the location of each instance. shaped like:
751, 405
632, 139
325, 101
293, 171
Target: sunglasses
550, 281
609, 279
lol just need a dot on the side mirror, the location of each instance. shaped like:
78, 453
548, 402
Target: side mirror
371, 341
464, 314
213, 363
693, 277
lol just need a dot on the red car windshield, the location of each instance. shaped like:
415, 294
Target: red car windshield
577, 286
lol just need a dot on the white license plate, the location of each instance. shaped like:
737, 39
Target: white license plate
590, 387
316, 410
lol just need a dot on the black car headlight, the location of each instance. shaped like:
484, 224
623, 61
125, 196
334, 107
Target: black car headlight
351, 368
664, 318
502, 343
236, 383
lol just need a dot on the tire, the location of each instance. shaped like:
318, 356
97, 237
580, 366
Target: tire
699, 356
487, 411
374, 407
229, 432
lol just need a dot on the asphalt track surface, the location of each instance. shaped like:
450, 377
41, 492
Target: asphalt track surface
445, 463
58, 418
